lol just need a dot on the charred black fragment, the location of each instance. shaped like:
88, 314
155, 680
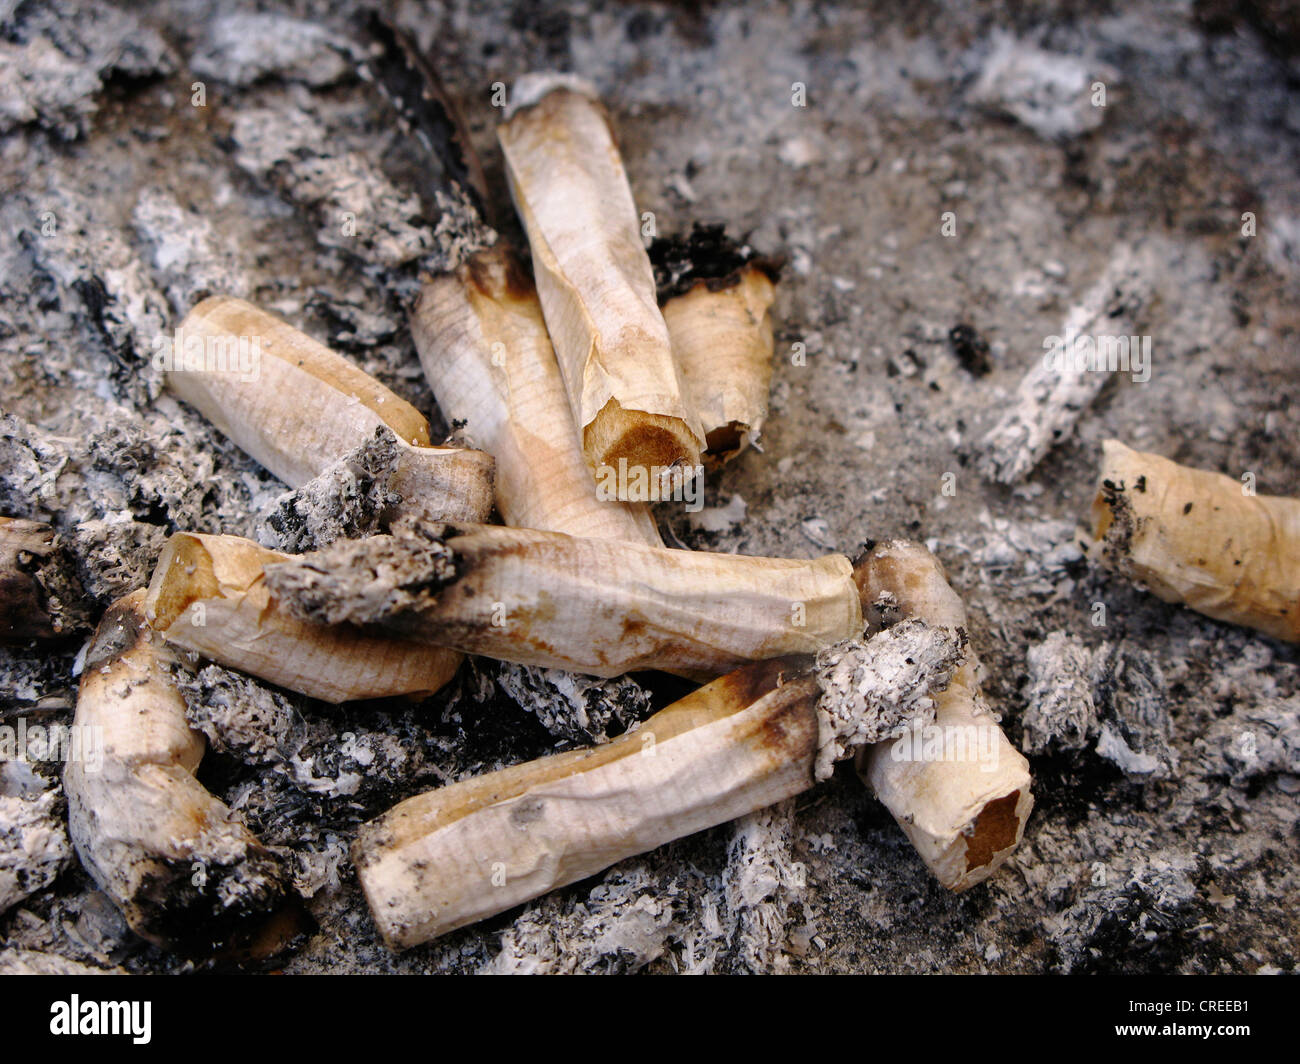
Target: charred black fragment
706, 256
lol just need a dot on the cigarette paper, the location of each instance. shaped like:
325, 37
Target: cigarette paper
753, 738
1197, 538
181, 866
486, 353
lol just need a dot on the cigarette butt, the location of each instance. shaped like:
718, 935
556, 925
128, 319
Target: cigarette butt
297, 407
754, 737
723, 343
715, 295
486, 353
209, 595
184, 870
39, 593
1198, 538
961, 792
586, 605
455, 855
596, 286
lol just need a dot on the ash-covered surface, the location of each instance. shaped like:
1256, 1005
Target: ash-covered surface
1165, 747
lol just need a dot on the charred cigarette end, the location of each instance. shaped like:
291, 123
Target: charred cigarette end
956, 786
875, 689
184, 871
40, 596
595, 282
1057, 390
488, 357
708, 257
1198, 538
586, 605
723, 343
456, 855
209, 595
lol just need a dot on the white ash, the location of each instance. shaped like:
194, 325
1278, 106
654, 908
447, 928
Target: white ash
96, 268
190, 260
304, 756
137, 465
1133, 702
38, 83
627, 921
34, 845
529, 88
323, 869
261, 726
360, 323
1254, 743
1054, 393
58, 56
1282, 243
1061, 713
674, 916
573, 707
1115, 695
244, 47
348, 500
761, 884
1153, 901
36, 678
719, 518
370, 581
237, 715
1037, 554
115, 555
875, 690
357, 209
1049, 92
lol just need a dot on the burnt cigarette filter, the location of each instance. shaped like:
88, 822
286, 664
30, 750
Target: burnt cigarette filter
746, 741
715, 295
180, 864
956, 785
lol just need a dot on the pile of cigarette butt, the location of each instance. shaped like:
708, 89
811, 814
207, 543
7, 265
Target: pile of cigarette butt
591, 376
